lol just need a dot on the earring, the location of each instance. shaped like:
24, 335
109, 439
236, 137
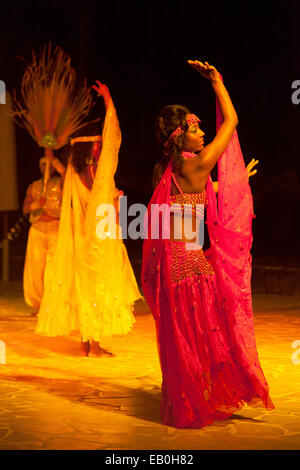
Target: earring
89, 161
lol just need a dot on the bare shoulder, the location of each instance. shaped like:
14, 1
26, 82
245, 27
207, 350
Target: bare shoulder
29, 187
191, 175
190, 167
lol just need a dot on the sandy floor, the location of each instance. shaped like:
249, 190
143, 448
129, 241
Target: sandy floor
51, 398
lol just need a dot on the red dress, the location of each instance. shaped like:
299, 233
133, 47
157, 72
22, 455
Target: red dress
202, 303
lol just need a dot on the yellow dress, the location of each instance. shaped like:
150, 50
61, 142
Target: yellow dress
41, 239
90, 286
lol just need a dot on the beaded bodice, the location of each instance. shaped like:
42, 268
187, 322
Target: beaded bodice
187, 201
53, 197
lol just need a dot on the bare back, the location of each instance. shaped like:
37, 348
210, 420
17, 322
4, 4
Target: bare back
191, 177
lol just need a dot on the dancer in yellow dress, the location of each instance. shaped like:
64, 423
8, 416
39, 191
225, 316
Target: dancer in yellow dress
43, 208
91, 287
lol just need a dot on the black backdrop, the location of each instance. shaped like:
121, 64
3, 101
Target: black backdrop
140, 49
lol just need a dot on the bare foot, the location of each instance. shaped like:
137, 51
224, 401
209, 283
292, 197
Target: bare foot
97, 351
85, 348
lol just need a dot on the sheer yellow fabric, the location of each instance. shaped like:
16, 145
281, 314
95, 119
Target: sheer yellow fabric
90, 285
41, 238
39, 250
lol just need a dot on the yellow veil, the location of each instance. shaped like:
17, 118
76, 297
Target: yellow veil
89, 285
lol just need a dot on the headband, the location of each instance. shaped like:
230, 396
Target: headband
87, 138
190, 119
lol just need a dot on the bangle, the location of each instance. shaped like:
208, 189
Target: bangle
58, 165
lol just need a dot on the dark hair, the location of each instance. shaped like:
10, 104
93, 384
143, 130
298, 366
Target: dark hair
169, 118
82, 150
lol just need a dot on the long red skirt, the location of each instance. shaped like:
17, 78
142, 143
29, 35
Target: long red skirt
204, 379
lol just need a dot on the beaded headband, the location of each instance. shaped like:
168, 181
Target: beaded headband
87, 138
190, 119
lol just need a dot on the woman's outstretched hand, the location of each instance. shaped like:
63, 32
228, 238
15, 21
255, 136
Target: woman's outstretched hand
208, 71
250, 167
102, 90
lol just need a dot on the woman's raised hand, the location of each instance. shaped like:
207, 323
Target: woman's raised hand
101, 89
250, 167
208, 71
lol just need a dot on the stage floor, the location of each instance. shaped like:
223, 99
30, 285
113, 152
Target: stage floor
51, 398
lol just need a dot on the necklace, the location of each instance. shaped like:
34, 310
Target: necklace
189, 154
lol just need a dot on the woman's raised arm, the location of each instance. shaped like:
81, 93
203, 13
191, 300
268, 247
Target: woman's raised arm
211, 152
103, 91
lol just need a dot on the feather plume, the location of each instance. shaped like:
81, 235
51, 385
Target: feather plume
53, 106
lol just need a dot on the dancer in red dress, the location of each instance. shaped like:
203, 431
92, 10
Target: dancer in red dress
201, 300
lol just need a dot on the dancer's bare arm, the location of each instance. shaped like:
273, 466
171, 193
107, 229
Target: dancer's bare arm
28, 201
29, 204
211, 152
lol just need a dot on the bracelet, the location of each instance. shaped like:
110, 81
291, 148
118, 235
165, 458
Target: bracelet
58, 165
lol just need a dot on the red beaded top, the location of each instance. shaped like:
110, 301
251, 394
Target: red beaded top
178, 201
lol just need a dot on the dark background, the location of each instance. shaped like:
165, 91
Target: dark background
140, 50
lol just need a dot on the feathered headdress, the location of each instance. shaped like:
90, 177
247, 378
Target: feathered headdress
53, 107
